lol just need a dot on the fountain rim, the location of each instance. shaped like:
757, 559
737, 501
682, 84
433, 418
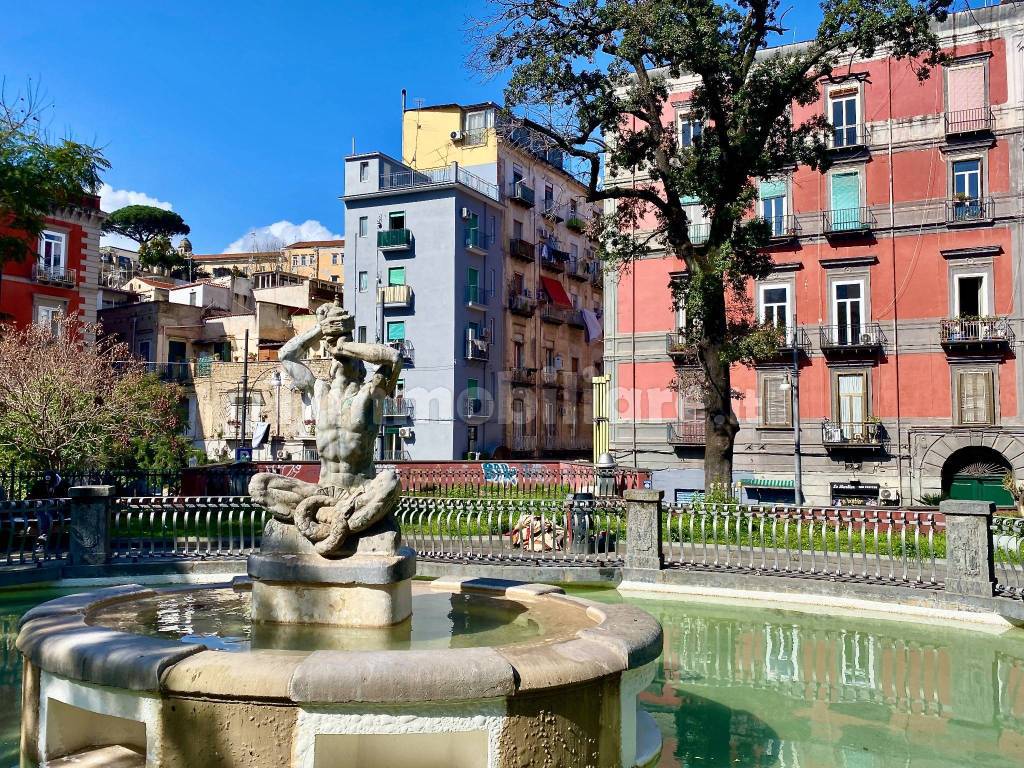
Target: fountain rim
57, 638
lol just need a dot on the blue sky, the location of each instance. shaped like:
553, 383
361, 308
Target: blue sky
238, 114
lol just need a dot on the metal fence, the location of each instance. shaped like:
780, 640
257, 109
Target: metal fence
874, 545
535, 531
186, 527
516, 480
34, 532
1008, 550
20, 484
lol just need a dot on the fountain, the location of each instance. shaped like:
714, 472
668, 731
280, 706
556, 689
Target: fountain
328, 654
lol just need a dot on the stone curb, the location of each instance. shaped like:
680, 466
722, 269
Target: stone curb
313, 569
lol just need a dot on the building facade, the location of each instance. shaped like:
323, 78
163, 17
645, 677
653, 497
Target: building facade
896, 279
317, 259
63, 278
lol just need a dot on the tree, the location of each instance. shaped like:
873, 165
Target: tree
69, 404
589, 77
152, 228
37, 174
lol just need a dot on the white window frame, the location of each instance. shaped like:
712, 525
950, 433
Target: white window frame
55, 238
364, 170
364, 225
857, 99
49, 316
685, 119
835, 301
764, 287
363, 281
980, 172
957, 277
777, 222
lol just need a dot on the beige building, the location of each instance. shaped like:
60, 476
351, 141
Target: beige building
240, 263
318, 259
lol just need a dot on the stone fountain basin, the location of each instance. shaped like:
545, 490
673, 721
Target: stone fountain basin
568, 698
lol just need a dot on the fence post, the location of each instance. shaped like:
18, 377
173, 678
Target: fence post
643, 529
970, 564
90, 524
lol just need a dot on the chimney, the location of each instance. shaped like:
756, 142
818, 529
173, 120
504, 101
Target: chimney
403, 101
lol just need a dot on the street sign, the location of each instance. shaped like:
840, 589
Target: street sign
243, 455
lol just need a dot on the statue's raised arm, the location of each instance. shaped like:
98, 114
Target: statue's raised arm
387, 359
330, 324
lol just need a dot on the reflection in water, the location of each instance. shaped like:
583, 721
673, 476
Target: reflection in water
743, 687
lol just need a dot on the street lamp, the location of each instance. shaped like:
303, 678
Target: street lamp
793, 385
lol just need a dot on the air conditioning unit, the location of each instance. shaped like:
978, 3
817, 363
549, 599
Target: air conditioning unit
405, 432
866, 338
889, 496
282, 455
456, 136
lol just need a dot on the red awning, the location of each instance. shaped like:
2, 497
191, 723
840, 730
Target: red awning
556, 292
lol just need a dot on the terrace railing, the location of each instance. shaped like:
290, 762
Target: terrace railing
519, 481
1008, 546
34, 532
876, 545
186, 527
535, 531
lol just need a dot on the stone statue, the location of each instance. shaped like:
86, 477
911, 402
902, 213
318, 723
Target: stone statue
350, 497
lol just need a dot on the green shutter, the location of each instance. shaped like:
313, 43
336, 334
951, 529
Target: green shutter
845, 191
396, 331
396, 276
471, 388
772, 188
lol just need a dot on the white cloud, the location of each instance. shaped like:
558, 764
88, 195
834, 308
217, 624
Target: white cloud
284, 232
111, 199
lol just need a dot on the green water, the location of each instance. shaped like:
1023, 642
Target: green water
755, 687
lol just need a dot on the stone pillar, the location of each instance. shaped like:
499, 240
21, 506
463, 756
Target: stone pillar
579, 522
90, 524
643, 529
970, 568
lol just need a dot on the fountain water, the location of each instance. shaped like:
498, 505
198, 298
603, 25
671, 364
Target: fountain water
314, 659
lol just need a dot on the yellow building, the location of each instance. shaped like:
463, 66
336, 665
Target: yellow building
551, 296
319, 259
240, 263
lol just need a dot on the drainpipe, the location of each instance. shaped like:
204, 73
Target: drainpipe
895, 296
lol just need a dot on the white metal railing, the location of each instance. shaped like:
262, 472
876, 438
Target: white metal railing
447, 174
872, 544
42, 273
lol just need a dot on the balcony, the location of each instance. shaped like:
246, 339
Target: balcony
965, 211
682, 351
478, 350
686, 434
389, 457
53, 275
522, 377
848, 138
521, 304
394, 239
578, 269
597, 277
846, 222
781, 229
176, 371
791, 340
549, 438
574, 317
552, 211
523, 250
398, 408
549, 313
699, 234
396, 296
522, 194
553, 260
575, 223
477, 297
851, 340
853, 434
984, 334
549, 377
523, 444
405, 350
473, 408
476, 241
969, 121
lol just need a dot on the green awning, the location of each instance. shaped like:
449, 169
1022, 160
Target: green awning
766, 483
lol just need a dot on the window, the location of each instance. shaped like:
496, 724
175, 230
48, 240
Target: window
192, 298
364, 170
776, 400
773, 205
302, 260
334, 259
518, 420
775, 305
49, 316
846, 214
549, 197
51, 251
364, 226
396, 220
689, 131
473, 239
851, 403
396, 276
473, 285
848, 311
144, 351
966, 189
517, 230
475, 126
975, 397
518, 355
971, 296
295, 261
844, 108
334, 278
363, 281
967, 97
361, 334
691, 406
396, 330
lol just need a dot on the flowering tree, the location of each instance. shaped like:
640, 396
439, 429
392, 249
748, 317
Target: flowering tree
67, 403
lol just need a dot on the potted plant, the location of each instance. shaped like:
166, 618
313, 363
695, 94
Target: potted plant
575, 223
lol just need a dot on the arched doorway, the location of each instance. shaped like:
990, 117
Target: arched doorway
976, 474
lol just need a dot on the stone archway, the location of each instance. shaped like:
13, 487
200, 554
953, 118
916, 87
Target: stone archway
932, 448
976, 473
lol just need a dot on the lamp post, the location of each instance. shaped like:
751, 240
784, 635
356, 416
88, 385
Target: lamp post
794, 389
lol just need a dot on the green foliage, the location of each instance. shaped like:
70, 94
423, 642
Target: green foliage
143, 223
37, 174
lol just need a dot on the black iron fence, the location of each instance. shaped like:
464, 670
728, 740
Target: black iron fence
18, 484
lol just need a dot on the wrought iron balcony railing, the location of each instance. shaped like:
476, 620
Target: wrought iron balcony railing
553, 259
968, 210
522, 304
686, 433
405, 349
522, 377
523, 250
476, 296
847, 221
848, 137
964, 121
521, 193
549, 313
852, 336
962, 332
781, 227
399, 408
42, 273
549, 377
477, 349
852, 434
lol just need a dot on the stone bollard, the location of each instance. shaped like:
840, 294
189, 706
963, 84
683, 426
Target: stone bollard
579, 522
90, 524
643, 530
970, 567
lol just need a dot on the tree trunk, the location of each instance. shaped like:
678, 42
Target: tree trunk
721, 424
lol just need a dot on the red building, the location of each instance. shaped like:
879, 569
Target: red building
898, 277
64, 275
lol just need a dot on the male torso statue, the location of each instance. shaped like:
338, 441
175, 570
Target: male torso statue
350, 497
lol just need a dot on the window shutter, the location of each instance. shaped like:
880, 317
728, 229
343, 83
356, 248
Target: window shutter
977, 402
775, 403
845, 191
966, 87
772, 188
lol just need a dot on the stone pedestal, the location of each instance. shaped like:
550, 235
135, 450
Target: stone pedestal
643, 530
90, 524
970, 564
371, 586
